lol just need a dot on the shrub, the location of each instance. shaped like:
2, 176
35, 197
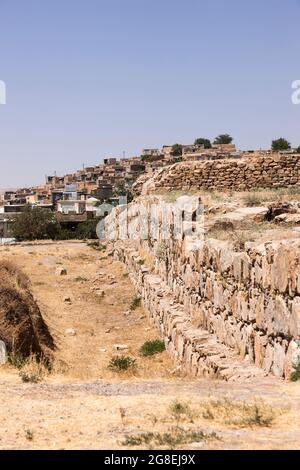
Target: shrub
295, 375
97, 246
150, 348
175, 437
17, 360
87, 230
135, 303
29, 434
30, 377
181, 411
121, 363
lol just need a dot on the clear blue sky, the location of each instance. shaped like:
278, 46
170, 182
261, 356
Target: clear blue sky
89, 79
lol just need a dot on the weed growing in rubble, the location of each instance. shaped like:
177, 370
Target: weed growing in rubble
161, 251
295, 375
150, 348
135, 303
121, 363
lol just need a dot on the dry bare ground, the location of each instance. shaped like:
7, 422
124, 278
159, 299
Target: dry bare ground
84, 405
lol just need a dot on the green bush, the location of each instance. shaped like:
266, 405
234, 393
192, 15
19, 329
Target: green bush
121, 363
17, 360
150, 348
135, 303
295, 375
87, 230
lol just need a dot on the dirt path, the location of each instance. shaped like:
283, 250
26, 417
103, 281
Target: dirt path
84, 405
92, 299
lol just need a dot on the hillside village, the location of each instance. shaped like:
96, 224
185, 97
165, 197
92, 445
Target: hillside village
75, 197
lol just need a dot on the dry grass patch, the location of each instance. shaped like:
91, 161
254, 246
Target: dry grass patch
240, 414
33, 370
172, 439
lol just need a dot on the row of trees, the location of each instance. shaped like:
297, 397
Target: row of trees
277, 144
222, 139
41, 224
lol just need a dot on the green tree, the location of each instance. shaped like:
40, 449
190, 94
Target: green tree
34, 224
87, 230
223, 139
298, 150
176, 150
203, 141
280, 144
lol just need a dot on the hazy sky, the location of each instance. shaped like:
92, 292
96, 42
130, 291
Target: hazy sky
88, 79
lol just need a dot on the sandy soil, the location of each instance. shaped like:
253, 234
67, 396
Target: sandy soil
83, 404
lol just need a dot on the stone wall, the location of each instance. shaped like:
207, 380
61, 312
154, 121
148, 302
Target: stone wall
268, 171
216, 306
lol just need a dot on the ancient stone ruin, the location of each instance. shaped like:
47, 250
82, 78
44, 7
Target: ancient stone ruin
222, 312
265, 171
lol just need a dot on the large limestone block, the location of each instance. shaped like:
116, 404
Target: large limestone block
281, 316
269, 357
260, 343
3, 353
294, 322
292, 358
279, 358
280, 270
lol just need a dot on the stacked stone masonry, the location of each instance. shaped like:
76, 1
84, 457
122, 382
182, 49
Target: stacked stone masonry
215, 306
267, 171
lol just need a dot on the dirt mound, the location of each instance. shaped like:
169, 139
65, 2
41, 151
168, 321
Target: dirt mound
22, 327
